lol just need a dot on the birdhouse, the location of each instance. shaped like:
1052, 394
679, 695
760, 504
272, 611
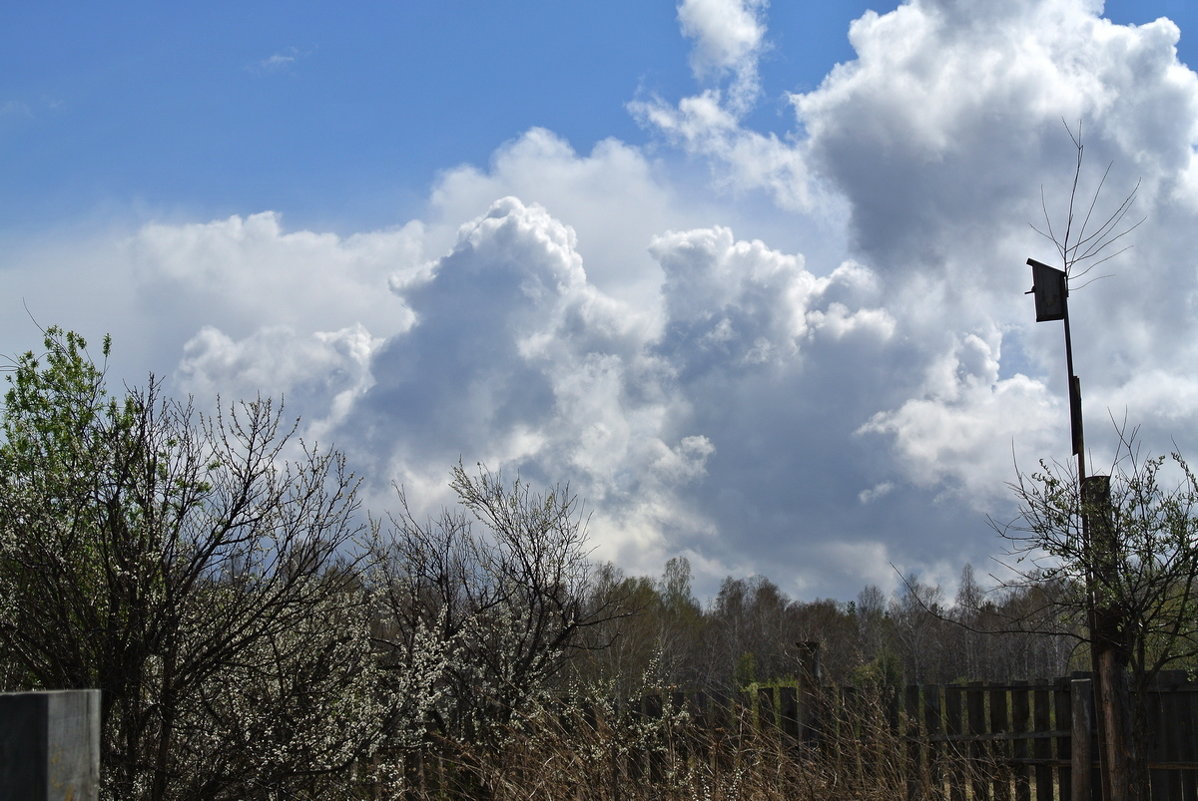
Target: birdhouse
1050, 289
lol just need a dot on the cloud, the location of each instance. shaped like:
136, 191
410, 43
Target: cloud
518, 361
938, 136
960, 434
744, 160
941, 134
232, 273
282, 61
728, 36
734, 305
242, 305
614, 197
318, 375
15, 108
667, 339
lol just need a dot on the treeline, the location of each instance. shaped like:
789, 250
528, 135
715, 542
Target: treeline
257, 635
751, 632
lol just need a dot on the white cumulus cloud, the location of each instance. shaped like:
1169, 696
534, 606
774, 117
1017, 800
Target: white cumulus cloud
685, 346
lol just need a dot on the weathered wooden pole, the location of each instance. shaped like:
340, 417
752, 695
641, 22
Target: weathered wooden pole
50, 745
1112, 650
1103, 620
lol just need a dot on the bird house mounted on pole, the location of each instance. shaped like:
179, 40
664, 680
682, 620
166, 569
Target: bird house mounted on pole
1050, 289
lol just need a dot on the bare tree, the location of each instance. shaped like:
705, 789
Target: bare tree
503, 580
1079, 244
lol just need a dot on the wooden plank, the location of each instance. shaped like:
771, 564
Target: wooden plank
1000, 750
652, 711
744, 711
957, 751
848, 735
722, 713
1021, 722
680, 738
933, 727
912, 767
1166, 784
811, 709
635, 761
788, 711
1042, 747
700, 733
1187, 735
766, 709
975, 716
1081, 699
1062, 706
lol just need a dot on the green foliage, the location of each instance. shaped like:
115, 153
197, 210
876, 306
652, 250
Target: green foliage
1138, 560
745, 673
883, 672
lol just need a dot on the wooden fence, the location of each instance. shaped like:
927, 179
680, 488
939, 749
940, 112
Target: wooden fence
1023, 741
1028, 740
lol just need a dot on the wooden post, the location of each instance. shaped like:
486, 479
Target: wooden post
50, 745
1111, 652
1082, 697
809, 660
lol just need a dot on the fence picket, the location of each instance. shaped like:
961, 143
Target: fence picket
937, 748
1020, 719
1063, 722
1041, 745
975, 713
999, 750
913, 768
788, 711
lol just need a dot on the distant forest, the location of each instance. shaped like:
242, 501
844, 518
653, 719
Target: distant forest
751, 631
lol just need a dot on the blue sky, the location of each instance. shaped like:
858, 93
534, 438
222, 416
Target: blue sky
341, 115
760, 312
236, 107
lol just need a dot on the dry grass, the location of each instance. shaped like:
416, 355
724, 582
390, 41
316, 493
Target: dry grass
590, 751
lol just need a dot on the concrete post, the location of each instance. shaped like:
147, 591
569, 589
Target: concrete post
50, 745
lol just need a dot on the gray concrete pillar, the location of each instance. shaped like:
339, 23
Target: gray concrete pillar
50, 745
